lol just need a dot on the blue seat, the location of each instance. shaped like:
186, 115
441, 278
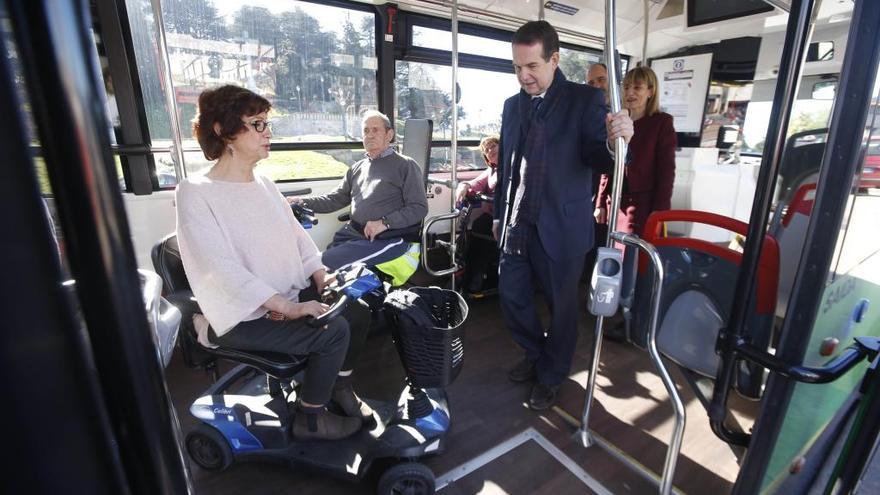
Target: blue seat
698, 289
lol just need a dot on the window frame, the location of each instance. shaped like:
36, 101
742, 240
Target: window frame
137, 156
406, 51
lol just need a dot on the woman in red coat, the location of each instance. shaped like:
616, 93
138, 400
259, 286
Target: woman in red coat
647, 183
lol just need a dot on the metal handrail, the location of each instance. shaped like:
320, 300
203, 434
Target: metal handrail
170, 98
451, 246
453, 181
674, 448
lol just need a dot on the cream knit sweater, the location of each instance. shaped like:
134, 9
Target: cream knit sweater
240, 245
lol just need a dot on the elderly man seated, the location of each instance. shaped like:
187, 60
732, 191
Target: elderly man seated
387, 198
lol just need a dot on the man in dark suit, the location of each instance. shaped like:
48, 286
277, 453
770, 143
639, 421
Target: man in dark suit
555, 135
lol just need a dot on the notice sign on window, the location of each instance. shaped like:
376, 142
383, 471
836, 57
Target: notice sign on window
684, 82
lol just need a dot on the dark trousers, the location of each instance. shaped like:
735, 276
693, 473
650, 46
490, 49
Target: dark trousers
600, 232
350, 246
481, 253
520, 277
328, 350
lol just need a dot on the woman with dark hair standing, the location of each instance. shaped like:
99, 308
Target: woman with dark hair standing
650, 172
249, 264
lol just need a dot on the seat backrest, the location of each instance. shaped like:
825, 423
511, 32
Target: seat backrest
790, 234
698, 290
169, 265
801, 157
417, 143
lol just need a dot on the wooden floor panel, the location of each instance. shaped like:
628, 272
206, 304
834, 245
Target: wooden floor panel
632, 412
506, 474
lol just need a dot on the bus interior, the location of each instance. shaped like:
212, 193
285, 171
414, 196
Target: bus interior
755, 128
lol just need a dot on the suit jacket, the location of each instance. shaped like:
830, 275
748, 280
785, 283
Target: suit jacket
649, 174
574, 150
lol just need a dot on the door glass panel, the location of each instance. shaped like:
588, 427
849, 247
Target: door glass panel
848, 308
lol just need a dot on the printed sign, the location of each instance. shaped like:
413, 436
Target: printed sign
683, 84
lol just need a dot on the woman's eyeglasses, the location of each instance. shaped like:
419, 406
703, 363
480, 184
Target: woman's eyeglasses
260, 125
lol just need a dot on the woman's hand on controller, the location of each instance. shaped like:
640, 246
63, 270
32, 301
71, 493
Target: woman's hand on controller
308, 308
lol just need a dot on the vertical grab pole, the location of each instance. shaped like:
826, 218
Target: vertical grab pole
613, 64
453, 185
170, 99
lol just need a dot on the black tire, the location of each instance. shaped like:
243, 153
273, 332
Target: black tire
409, 478
207, 448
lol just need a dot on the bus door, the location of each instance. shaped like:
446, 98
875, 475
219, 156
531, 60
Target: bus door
803, 427
90, 412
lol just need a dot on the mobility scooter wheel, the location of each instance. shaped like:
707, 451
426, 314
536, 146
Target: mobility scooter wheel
207, 447
409, 478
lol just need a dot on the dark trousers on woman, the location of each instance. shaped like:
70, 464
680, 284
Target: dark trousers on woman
328, 349
482, 252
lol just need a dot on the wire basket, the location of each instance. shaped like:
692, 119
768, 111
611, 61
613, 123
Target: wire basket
427, 330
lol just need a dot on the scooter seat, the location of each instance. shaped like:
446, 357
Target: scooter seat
274, 364
168, 264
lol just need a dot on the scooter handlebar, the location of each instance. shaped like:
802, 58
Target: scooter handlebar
335, 310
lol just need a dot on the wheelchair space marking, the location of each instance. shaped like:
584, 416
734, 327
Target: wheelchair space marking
512, 443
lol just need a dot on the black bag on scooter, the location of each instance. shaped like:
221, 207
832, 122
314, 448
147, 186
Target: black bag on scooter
426, 326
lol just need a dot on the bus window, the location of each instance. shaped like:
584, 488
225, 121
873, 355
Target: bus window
424, 91
438, 39
469, 158
575, 63
725, 114
146, 49
810, 111
317, 64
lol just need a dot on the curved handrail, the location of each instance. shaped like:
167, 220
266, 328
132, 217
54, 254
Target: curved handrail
678, 406
424, 244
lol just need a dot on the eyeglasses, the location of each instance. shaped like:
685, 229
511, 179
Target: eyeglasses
260, 125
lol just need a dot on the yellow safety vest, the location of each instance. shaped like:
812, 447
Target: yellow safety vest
401, 268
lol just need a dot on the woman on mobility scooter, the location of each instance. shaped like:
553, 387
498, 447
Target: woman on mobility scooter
479, 247
249, 263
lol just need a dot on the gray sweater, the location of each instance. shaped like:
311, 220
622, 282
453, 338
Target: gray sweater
389, 187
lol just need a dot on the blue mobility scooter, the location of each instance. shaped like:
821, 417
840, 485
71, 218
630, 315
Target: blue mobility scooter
247, 414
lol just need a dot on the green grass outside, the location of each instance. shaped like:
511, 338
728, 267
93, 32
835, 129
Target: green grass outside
289, 165
280, 165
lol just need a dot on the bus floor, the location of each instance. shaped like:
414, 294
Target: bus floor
525, 451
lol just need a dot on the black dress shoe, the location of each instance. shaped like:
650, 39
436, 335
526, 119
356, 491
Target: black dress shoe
523, 371
543, 396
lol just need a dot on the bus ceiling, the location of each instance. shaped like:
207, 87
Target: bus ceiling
673, 25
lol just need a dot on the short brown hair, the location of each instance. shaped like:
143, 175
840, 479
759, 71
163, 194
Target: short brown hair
538, 32
484, 143
226, 106
646, 76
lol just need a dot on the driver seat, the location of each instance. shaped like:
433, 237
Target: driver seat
169, 266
